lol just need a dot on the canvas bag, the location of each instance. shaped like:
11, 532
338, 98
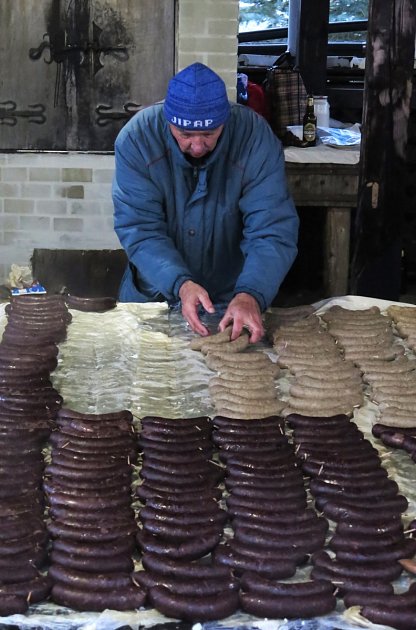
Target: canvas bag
286, 94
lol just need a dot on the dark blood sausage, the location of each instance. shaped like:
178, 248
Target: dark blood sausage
187, 432
89, 503
361, 503
95, 550
307, 541
183, 480
347, 585
205, 586
402, 619
387, 571
198, 421
357, 528
343, 474
200, 467
402, 600
224, 441
405, 549
180, 569
192, 548
277, 607
272, 470
194, 608
288, 479
12, 605
260, 516
388, 488
180, 533
179, 446
127, 598
259, 423
285, 500
185, 519
329, 469
189, 440
176, 507
173, 457
254, 583
205, 486
92, 304
266, 550
33, 591
145, 492
95, 581
97, 534
337, 510
256, 462
296, 420
121, 563
257, 493
11, 574
271, 567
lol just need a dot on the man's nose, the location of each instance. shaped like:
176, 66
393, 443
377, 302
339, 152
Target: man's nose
198, 144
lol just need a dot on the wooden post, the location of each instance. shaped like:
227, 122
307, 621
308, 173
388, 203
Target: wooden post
375, 268
312, 44
337, 251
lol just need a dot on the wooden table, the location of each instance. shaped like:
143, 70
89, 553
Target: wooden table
333, 187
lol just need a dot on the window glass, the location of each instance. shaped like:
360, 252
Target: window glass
258, 15
348, 11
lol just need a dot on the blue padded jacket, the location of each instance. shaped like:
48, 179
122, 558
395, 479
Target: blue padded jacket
230, 224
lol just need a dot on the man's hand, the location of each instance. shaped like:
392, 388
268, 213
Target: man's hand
192, 295
243, 312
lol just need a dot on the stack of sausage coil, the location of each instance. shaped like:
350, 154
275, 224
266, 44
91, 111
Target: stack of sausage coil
404, 318
92, 523
352, 488
245, 385
182, 521
367, 339
28, 405
321, 381
273, 530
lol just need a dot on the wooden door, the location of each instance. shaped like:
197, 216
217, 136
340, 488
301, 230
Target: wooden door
73, 71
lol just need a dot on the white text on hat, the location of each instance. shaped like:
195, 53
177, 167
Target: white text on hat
183, 122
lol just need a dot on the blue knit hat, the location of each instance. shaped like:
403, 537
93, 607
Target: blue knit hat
196, 99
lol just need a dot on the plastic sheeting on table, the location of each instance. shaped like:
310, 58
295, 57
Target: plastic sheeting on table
137, 357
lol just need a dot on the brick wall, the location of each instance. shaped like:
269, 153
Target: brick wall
207, 32
56, 201
63, 200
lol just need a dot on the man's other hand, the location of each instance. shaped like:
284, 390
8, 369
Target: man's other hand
243, 312
192, 295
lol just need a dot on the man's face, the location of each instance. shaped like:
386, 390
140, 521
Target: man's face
197, 144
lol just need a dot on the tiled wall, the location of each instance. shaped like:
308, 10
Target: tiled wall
63, 200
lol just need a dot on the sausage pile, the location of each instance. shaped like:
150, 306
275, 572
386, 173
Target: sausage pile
353, 490
182, 521
92, 523
28, 404
273, 531
244, 385
367, 339
323, 382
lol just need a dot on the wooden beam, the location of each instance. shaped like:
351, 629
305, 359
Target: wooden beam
311, 42
380, 205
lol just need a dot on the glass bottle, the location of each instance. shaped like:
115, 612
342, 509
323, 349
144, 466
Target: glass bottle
309, 123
